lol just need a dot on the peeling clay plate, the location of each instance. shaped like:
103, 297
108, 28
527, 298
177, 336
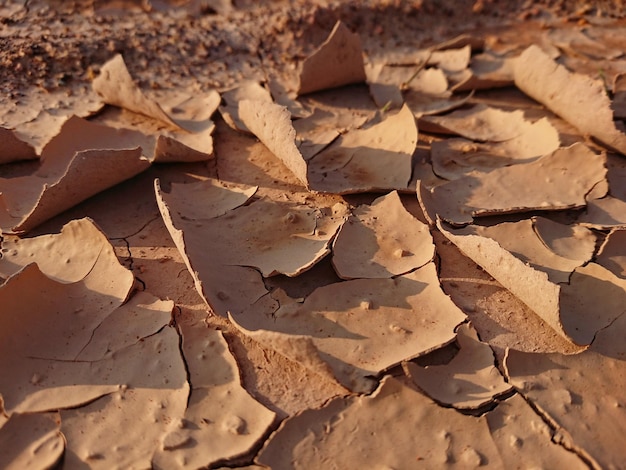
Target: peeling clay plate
368, 258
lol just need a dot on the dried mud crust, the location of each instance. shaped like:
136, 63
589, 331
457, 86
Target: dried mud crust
60, 47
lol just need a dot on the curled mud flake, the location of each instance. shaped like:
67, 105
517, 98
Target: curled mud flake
364, 428
336, 62
381, 240
31, 441
360, 311
361, 160
272, 125
222, 421
469, 380
574, 171
454, 158
250, 90
576, 391
561, 290
579, 99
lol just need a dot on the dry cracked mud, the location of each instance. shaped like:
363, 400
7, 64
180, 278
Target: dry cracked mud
312, 234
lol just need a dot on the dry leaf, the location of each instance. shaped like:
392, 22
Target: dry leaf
359, 431
362, 160
587, 300
381, 240
222, 421
31, 441
579, 99
271, 123
336, 62
522, 436
562, 180
73, 170
365, 326
454, 158
469, 380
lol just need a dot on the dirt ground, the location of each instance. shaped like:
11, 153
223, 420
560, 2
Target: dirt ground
51, 47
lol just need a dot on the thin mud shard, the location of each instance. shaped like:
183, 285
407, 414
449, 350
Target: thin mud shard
381, 240
579, 99
336, 62
544, 265
376, 158
182, 122
362, 327
469, 380
608, 211
271, 123
32, 441
575, 393
81, 161
263, 238
356, 431
222, 421
563, 179
504, 138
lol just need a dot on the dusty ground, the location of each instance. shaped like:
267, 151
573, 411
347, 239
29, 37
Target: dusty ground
58, 47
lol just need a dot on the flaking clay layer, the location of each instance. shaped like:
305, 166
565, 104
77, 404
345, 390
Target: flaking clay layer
312, 234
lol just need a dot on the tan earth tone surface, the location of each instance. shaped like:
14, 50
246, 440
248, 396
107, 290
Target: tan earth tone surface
312, 234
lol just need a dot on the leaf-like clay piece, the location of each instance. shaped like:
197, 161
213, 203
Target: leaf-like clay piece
81, 161
608, 211
561, 179
469, 380
222, 420
362, 160
612, 254
579, 99
31, 441
249, 90
187, 134
395, 427
116, 87
80, 346
285, 238
365, 326
148, 405
272, 125
381, 240
454, 158
225, 288
13, 149
591, 300
336, 62
208, 198
486, 71
522, 436
65, 257
480, 122
581, 394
